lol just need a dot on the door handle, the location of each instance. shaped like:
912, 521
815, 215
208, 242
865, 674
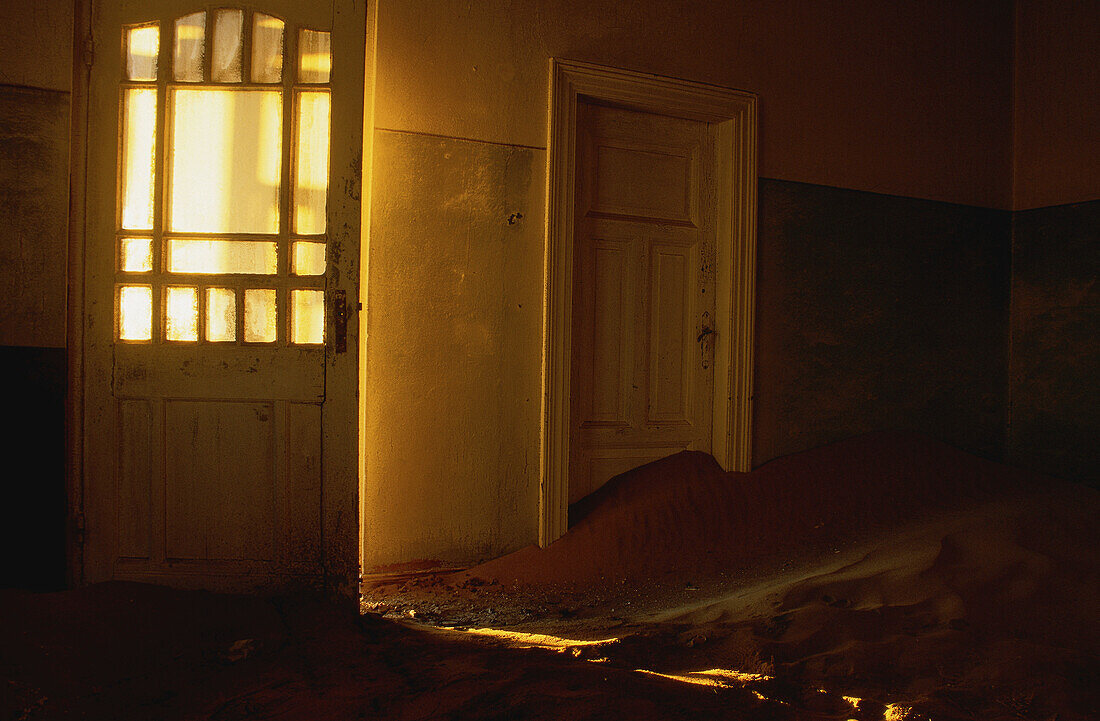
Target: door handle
340, 321
705, 340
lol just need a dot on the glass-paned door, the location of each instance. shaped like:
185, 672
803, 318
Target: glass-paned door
212, 266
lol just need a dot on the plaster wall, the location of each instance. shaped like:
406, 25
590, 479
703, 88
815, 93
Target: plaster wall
910, 99
34, 215
455, 340
35, 81
1057, 103
882, 97
1054, 384
37, 38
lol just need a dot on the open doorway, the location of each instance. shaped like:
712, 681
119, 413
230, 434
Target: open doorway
679, 368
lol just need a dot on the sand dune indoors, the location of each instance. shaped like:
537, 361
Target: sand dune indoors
885, 577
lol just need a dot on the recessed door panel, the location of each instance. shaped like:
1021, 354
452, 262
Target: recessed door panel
220, 480
671, 344
136, 432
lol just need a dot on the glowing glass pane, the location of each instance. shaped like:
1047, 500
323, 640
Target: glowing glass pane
307, 316
267, 49
256, 257
136, 255
311, 162
225, 159
221, 314
142, 47
139, 144
314, 57
308, 259
226, 60
182, 311
135, 312
259, 315
190, 43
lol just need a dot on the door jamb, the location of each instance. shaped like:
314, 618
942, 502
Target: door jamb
735, 114
74, 309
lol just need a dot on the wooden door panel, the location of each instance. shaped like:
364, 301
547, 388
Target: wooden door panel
644, 220
219, 480
636, 180
671, 341
136, 431
611, 333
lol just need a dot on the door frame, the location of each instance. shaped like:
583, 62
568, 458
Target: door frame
734, 112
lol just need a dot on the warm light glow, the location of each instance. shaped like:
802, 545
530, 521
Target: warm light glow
314, 57
226, 60
189, 48
308, 258
142, 46
259, 315
311, 176
267, 49
714, 677
307, 316
139, 144
135, 312
896, 712
221, 314
853, 700
518, 639
225, 159
254, 257
182, 313
136, 255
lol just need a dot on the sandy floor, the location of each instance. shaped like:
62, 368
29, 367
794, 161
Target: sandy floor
887, 577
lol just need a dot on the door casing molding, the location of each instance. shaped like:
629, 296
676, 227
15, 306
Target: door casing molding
734, 113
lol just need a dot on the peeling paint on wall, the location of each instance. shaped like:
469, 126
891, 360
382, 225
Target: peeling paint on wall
34, 206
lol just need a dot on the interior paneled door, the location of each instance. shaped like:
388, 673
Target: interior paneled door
222, 236
642, 378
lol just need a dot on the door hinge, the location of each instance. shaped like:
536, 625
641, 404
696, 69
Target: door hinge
89, 50
78, 527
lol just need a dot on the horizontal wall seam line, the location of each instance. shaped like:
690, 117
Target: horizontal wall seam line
887, 195
37, 88
458, 137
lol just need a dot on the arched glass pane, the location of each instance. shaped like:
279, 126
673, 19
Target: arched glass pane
226, 60
142, 47
189, 48
267, 49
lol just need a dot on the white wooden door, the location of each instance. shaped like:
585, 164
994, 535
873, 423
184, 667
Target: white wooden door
221, 240
642, 377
